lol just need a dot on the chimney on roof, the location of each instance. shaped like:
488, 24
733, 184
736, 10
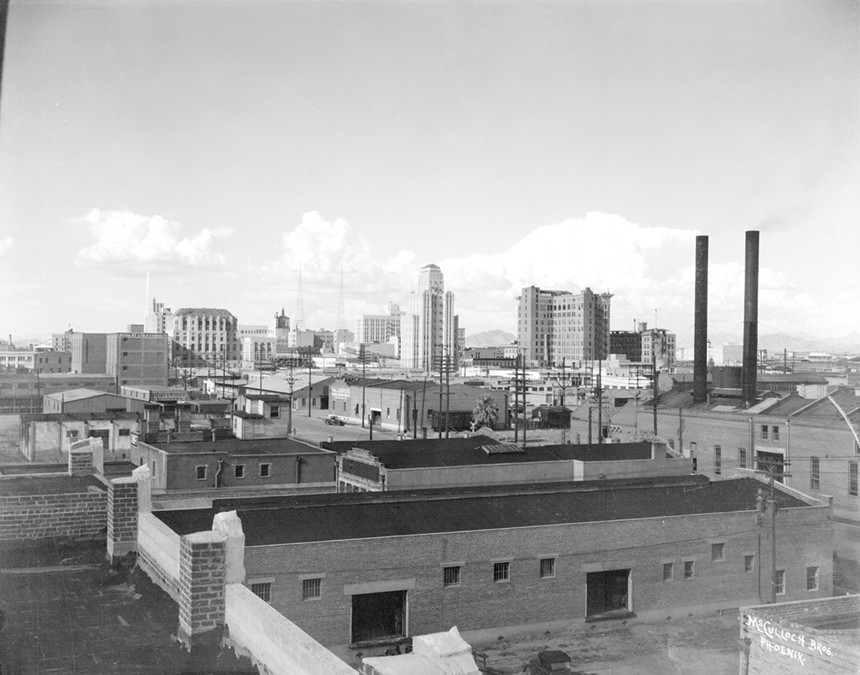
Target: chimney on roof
750, 349
700, 326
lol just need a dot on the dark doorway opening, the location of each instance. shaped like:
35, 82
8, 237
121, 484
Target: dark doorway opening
104, 434
378, 616
607, 594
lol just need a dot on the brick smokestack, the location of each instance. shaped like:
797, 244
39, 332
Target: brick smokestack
749, 369
700, 327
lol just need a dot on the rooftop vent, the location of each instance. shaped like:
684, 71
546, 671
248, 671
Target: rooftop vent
502, 449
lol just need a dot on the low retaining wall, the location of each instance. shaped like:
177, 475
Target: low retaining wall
38, 516
273, 642
158, 553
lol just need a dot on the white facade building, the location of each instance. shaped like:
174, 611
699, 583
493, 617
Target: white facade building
429, 327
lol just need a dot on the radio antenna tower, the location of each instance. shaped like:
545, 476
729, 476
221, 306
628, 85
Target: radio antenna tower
340, 320
147, 302
300, 305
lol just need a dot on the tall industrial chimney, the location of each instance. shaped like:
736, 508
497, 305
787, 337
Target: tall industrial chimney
700, 326
750, 358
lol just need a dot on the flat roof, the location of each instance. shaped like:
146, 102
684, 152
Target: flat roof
317, 518
409, 455
50, 484
80, 394
235, 446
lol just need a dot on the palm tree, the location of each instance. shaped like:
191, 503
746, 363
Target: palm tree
485, 413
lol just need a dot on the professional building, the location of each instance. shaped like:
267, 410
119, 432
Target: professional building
62, 342
138, 358
158, 318
204, 336
380, 328
658, 346
429, 327
89, 353
359, 568
555, 327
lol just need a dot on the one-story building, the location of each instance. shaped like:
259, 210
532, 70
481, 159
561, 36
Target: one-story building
46, 437
364, 568
480, 460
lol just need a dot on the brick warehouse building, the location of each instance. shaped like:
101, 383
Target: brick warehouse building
820, 438
363, 567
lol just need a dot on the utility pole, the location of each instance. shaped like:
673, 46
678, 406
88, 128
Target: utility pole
654, 382
363, 380
599, 401
517, 397
770, 468
310, 385
525, 403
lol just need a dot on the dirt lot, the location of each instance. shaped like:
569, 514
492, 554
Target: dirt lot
684, 645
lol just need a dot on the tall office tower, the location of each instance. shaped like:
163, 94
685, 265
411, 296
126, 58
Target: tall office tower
553, 326
158, 318
658, 344
429, 326
204, 336
379, 328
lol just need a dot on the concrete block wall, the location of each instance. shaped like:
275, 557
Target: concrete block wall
73, 514
202, 577
273, 641
158, 553
416, 563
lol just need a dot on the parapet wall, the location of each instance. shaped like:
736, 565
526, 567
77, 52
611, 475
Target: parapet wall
158, 553
275, 643
37, 516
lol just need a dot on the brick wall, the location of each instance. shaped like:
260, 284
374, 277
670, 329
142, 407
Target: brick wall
805, 538
75, 514
122, 516
778, 638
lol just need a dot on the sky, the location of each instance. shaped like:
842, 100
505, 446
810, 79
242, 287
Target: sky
223, 146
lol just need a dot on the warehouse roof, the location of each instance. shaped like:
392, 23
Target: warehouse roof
235, 446
318, 518
406, 454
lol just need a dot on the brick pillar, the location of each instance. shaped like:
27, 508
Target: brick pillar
202, 574
80, 458
121, 517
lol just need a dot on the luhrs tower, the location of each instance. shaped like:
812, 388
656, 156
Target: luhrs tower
429, 326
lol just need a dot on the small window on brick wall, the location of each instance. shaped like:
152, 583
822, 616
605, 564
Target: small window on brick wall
689, 569
451, 575
263, 590
312, 589
812, 578
239, 470
547, 568
668, 571
749, 563
201, 472
779, 582
718, 552
501, 572
265, 470
125, 432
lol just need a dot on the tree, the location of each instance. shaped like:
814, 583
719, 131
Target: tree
485, 413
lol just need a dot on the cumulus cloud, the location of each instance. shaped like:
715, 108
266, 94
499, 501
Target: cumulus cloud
143, 242
645, 268
5, 245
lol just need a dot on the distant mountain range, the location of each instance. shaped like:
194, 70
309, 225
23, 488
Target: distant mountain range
773, 342
490, 338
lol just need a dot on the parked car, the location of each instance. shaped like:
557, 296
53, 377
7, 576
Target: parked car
334, 420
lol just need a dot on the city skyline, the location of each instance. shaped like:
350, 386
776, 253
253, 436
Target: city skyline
221, 146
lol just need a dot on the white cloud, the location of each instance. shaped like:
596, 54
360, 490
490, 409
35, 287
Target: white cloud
646, 269
141, 242
5, 245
